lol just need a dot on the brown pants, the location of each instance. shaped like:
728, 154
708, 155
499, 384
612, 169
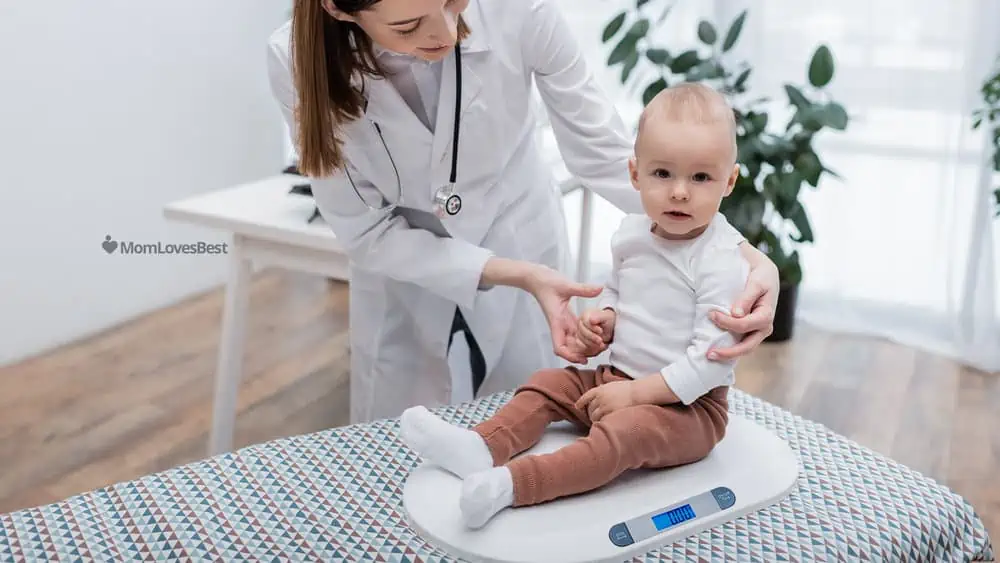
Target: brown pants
642, 436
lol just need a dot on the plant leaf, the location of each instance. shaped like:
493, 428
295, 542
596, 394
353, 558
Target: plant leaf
810, 117
821, 67
613, 27
742, 79
706, 70
630, 62
652, 90
748, 217
684, 62
639, 29
797, 215
791, 184
734, 31
809, 166
707, 33
771, 188
665, 13
791, 273
832, 172
796, 97
771, 243
658, 56
834, 116
625, 47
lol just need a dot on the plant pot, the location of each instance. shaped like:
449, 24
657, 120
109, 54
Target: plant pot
784, 315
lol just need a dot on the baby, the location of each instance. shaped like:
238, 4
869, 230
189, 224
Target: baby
661, 402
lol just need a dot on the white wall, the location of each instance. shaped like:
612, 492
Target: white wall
109, 109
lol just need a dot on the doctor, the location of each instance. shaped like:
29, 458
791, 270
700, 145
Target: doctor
415, 120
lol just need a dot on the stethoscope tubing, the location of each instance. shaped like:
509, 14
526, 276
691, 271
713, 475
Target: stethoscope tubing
448, 203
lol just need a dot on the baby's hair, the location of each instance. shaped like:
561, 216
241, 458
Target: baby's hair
690, 102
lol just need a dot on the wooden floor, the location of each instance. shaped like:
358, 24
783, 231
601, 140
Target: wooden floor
137, 399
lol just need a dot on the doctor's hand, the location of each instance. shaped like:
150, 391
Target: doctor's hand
554, 292
759, 299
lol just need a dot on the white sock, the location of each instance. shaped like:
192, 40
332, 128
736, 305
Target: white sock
484, 494
456, 449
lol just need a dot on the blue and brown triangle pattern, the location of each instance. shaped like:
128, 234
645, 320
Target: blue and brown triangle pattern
337, 496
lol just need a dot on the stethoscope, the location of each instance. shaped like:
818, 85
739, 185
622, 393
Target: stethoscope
446, 201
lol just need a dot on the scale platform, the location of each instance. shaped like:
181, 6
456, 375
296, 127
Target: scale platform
750, 469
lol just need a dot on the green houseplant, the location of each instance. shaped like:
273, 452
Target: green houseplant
776, 153
989, 115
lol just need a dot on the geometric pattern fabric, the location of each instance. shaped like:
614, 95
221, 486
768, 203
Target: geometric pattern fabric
336, 495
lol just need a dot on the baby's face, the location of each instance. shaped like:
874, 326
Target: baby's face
682, 171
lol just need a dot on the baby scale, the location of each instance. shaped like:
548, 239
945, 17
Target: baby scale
750, 469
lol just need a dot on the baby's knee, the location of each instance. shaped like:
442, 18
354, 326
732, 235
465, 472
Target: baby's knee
659, 439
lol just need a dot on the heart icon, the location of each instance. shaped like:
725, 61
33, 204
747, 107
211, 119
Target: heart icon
109, 245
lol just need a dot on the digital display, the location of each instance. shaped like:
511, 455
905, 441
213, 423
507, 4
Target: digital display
673, 517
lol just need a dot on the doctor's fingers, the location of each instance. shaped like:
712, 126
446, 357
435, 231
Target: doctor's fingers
567, 289
760, 319
744, 347
568, 350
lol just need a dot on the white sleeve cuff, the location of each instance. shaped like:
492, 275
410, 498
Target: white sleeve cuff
476, 261
683, 381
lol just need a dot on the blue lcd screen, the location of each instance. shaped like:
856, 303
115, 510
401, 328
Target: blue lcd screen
673, 517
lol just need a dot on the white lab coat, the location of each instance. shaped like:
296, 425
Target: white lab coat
406, 282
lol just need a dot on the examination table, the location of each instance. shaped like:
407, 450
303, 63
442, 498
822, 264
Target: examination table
336, 496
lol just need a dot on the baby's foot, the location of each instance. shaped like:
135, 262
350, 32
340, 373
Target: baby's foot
484, 494
454, 448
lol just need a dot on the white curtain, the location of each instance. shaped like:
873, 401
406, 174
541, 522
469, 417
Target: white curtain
906, 244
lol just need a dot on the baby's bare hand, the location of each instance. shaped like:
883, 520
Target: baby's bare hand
589, 348
588, 333
598, 322
605, 399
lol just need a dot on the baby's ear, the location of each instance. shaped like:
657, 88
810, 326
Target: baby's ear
633, 172
732, 179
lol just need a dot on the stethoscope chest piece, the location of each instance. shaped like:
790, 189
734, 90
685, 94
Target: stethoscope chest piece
447, 201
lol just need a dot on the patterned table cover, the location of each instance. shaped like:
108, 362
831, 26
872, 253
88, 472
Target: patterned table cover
337, 496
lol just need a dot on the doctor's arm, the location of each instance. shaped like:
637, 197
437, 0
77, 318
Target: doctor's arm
375, 241
721, 277
752, 315
592, 138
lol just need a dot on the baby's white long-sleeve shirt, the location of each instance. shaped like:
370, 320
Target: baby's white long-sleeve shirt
662, 291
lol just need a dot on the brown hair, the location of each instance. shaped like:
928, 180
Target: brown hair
326, 54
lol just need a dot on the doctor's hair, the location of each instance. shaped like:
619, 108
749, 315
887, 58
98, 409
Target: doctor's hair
327, 56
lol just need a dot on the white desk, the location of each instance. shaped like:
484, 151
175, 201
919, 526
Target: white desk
268, 228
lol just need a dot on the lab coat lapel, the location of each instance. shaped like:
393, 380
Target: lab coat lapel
444, 128
386, 105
